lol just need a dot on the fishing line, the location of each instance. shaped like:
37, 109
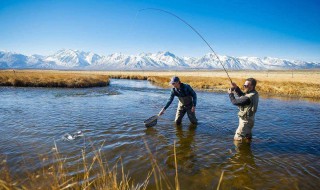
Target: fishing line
155, 9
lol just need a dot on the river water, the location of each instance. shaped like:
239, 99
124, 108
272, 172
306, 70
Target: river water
284, 154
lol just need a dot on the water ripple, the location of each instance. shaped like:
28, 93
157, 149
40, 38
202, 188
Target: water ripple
284, 153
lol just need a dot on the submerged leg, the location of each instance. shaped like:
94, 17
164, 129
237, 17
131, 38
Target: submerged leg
192, 117
181, 111
244, 130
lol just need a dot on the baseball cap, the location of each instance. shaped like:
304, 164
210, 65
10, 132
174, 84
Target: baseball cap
174, 80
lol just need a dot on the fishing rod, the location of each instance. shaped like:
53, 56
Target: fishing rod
155, 9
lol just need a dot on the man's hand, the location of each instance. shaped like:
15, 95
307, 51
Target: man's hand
229, 91
161, 112
193, 109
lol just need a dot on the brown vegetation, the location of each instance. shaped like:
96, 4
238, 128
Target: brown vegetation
264, 87
92, 173
133, 77
304, 76
51, 79
297, 84
290, 83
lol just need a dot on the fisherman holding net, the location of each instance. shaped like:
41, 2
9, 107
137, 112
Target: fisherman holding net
248, 105
187, 101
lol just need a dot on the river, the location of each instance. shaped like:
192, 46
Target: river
284, 153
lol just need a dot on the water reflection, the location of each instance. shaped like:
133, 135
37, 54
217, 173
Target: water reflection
243, 155
37, 117
185, 149
240, 168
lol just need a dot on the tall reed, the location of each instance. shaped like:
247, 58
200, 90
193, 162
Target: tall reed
93, 173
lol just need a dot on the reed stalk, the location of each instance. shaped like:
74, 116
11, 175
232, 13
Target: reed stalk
94, 174
220, 180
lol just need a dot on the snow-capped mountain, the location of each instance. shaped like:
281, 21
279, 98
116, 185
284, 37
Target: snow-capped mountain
70, 58
75, 59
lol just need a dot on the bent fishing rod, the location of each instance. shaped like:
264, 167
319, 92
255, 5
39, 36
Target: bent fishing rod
155, 9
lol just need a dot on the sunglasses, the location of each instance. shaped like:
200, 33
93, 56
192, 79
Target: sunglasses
245, 86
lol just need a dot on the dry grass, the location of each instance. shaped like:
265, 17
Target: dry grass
265, 88
95, 173
134, 77
304, 76
298, 84
290, 83
30, 78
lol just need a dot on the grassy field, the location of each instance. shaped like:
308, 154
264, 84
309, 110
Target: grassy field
304, 76
290, 83
36, 78
297, 84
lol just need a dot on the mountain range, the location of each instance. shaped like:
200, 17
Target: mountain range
80, 60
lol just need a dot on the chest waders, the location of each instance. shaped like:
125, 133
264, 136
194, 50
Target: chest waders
246, 117
186, 101
184, 106
249, 110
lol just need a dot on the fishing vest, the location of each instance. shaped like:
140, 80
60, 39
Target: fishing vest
247, 111
186, 101
184, 98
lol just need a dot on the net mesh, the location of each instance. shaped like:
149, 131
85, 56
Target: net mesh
152, 121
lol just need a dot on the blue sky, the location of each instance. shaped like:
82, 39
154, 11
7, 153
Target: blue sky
285, 29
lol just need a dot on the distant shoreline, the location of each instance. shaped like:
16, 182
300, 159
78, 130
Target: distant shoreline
51, 79
272, 83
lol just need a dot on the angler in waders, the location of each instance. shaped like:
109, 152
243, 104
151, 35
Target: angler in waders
248, 105
187, 101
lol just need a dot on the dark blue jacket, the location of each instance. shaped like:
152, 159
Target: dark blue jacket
185, 90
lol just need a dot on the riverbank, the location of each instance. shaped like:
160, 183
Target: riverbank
45, 78
293, 84
265, 88
290, 83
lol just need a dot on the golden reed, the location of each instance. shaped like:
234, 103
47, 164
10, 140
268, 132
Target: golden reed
264, 87
297, 83
92, 172
61, 79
